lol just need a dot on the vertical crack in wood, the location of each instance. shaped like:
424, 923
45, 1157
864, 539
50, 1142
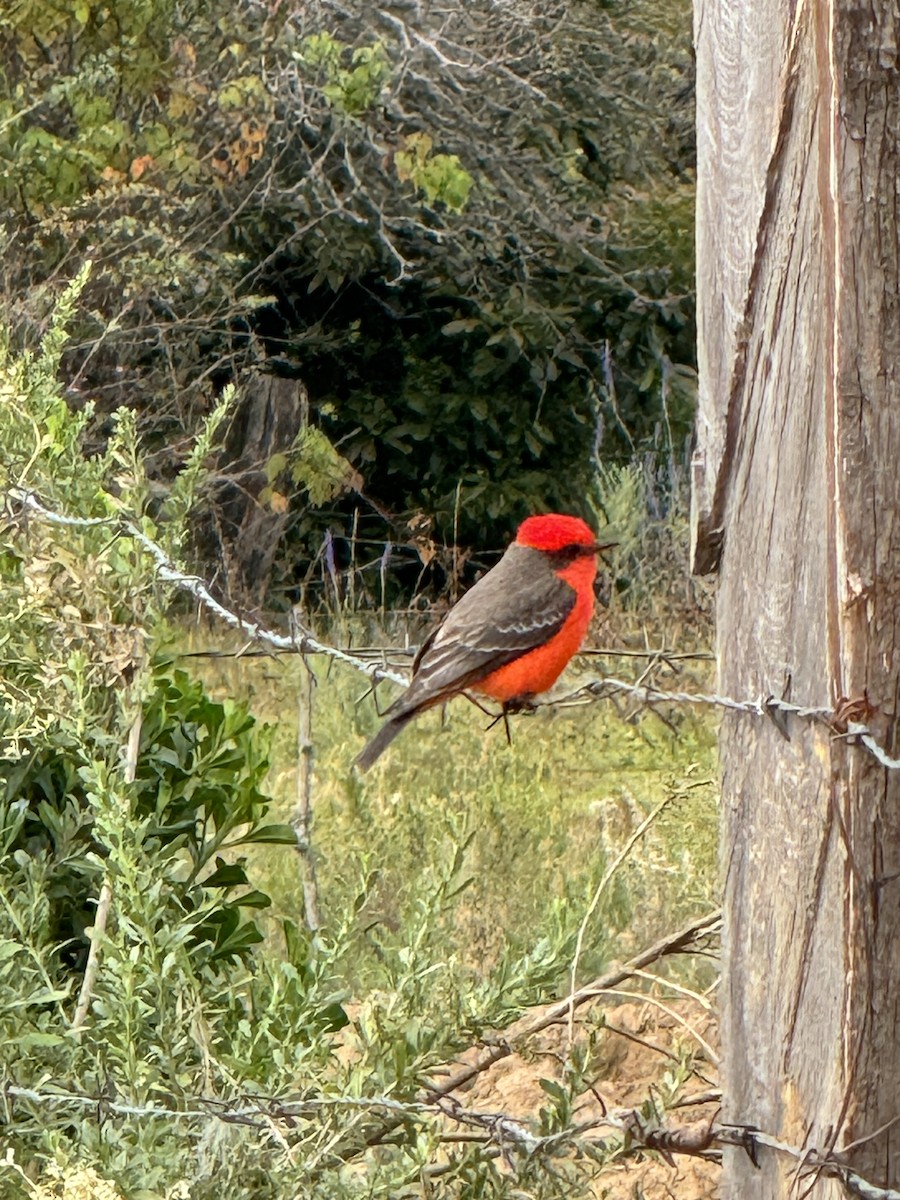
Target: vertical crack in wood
829, 133
709, 525
814, 908
831, 228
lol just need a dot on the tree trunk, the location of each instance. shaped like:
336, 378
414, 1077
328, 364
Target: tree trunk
797, 505
270, 413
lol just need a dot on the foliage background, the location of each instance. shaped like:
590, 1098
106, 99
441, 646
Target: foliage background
461, 243
466, 231
453, 882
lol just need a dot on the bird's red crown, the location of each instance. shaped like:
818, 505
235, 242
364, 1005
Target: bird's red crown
553, 531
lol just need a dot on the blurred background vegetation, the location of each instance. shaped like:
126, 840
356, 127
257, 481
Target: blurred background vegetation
445, 255
322, 300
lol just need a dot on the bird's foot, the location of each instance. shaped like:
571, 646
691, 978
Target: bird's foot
518, 704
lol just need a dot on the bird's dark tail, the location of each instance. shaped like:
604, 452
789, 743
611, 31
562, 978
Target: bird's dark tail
383, 738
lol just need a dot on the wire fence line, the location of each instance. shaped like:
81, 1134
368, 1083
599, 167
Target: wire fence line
702, 1139
298, 641
510, 1135
504, 1132
254, 1111
374, 664
809, 1161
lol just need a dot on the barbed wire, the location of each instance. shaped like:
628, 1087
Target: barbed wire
699, 1138
764, 706
839, 720
299, 641
253, 1110
510, 1135
657, 655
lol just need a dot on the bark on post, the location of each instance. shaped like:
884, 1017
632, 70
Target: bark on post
797, 505
268, 417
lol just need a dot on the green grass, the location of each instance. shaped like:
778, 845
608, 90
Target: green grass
478, 860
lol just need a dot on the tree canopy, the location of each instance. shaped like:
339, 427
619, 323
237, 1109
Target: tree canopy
467, 231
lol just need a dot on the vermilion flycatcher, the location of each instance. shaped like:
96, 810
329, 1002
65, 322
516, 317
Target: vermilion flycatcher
511, 635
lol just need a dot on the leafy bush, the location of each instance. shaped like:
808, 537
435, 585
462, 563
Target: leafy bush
174, 1002
197, 798
188, 1057
470, 237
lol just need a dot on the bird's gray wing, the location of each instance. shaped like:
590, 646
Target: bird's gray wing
518, 605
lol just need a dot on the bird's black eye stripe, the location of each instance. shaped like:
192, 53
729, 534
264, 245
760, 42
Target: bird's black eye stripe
566, 555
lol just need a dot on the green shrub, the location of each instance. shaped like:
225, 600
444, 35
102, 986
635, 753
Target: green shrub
454, 879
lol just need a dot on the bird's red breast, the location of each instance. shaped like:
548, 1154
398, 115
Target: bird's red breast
511, 635
537, 670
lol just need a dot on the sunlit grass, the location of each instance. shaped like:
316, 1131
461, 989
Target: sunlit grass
480, 850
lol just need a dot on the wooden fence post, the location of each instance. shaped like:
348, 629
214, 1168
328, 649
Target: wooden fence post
797, 505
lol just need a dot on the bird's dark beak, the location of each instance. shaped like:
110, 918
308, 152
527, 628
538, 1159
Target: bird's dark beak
599, 547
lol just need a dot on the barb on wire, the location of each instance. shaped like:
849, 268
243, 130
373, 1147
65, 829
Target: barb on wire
838, 720
601, 689
753, 1140
662, 655
767, 706
703, 1139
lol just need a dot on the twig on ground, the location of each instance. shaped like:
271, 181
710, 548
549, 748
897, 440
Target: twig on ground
302, 818
682, 942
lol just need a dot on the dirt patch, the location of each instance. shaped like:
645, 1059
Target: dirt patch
632, 1053
631, 1056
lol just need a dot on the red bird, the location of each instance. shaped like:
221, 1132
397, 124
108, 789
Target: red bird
511, 635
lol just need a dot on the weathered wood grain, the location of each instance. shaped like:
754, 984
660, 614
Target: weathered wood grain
799, 430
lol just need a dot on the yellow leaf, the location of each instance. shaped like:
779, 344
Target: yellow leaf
184, 50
